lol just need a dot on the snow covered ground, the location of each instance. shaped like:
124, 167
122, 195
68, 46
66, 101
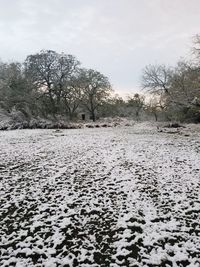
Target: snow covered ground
125, 196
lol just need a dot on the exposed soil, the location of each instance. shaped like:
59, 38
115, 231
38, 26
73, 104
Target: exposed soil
127, 196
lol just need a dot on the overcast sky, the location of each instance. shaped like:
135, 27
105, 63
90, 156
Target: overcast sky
116, 37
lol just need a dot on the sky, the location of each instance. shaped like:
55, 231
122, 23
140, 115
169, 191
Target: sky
116, 37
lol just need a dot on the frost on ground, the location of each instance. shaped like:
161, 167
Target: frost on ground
99, 197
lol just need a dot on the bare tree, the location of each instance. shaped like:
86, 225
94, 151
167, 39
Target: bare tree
66, 69
154, 106
96, 89
72, 95
51, 71
156, 79
40, 68
15, 91
136, 102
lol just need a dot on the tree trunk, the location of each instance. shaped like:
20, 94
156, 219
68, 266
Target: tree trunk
156, 116
137, 115
53, 105
93, 117
71, 116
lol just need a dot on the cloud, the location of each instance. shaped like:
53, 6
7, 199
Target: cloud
117, 37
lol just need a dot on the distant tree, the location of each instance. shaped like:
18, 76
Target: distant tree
156, 79
50, 72
15, 90
67, 68
113, 106
136, 102
72, 94
154, 106
96, 90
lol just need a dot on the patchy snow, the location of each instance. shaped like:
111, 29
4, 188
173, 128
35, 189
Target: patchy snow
126, 196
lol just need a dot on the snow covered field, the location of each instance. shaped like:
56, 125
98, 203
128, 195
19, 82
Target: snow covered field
100, 197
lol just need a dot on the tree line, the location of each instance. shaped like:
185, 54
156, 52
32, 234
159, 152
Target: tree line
49, 83
55, 84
